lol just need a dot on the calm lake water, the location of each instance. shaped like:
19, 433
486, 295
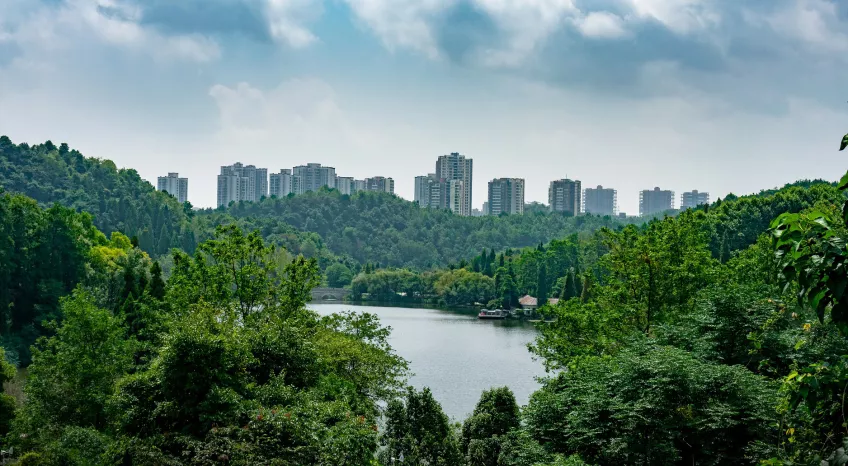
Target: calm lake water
457, 355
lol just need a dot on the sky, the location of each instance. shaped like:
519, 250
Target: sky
715, 95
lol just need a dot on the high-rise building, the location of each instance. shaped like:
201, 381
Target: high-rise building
506, 195
565, 196
284, 183
241, 183
691, 199
457, 167
381, 184
422, 189
359, 185
314, 177
456, 197
346, 184
174, 185
485, 208
432, 192
655, 201
600, 201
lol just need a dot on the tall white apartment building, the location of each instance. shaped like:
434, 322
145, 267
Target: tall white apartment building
380, 184
238, 182
565, 196
174, 185
284, 183
600, 201
692, 199
655, 201
506, 195
346, 184
314, 177
457, 167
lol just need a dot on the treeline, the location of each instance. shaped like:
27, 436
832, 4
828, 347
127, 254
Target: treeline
386, 230
569, 267
118, 200
366, 228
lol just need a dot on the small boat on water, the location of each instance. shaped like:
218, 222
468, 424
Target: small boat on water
492, 314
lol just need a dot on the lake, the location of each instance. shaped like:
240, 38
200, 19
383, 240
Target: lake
457, 355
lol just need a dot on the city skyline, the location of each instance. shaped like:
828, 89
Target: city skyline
287, 181
683, 93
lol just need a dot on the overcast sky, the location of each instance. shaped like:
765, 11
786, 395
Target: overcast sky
715, 95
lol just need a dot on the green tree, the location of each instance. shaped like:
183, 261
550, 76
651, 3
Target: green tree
655, 405
569, 288
73, 373
484, 431
338, 275
542, 286
8, 404
418, 432
157, 284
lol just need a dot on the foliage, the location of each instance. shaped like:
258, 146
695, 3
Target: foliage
119, 200
73, 373
43, 253
7, 402
483, 432
234, 368
338, 275
418, 432
654, 405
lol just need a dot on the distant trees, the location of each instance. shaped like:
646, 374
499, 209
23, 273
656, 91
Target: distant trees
338, 275
418, 432
495, 415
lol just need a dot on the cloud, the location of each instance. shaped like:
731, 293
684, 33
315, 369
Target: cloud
286, 19
601, 25
402, 23
51, 27
813, 23
300, 113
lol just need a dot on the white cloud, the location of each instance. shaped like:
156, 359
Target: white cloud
402, 23
49, 29
813, 23
681, 16
300, 113
286, 20
601, 25
526, 24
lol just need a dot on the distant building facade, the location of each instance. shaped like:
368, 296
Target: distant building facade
691, 199
174, 185
314, 177
238, 182
600, 201
506, 195
457, 167
432, 192
284, 183
655, 201
565, 196
380, 184
346, 184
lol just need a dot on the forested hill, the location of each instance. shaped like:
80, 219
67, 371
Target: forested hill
390, 231
364, 228
119, 200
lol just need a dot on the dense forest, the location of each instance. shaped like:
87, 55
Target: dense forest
568, 267
716, 337
366, 228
